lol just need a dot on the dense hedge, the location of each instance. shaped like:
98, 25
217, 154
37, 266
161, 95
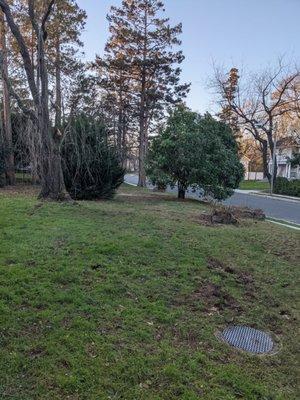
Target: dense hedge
286, 187
90, 163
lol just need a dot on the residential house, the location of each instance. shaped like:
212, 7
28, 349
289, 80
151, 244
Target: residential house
250, 175
285, 149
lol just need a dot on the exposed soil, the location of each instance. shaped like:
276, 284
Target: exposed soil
243, 278
37, 352
229, 216
20, 189
248, 213
283, 248
212, 297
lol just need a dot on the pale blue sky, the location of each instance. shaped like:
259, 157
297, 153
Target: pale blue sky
247, 33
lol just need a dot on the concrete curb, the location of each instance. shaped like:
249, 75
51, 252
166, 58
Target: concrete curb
287, 224
130, 184
277, 197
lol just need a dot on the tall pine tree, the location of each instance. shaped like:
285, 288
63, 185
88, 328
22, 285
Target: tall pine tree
116, 98
65, 27
230, 93
141, 52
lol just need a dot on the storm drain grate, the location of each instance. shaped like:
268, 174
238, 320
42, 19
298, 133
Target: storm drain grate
248, 339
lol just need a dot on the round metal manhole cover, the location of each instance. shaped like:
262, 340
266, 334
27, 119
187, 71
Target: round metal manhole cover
248, 339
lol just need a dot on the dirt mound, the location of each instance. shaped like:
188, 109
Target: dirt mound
250, 213
223, 216
232, 215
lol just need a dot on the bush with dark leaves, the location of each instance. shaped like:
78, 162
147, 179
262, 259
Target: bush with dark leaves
91, 166
287, 187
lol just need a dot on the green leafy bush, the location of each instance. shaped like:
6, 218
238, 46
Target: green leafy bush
295, 161
286, 187
90, 164
198, 152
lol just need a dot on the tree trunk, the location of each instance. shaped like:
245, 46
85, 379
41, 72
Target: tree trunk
265, 160
53, 186
7, 129
143, 139
181, 192
273, 157
58, 99
142, 112
124, 140
35, 151
143, 133
120, 133
142, 156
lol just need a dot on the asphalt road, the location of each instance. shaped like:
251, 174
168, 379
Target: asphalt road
282, 209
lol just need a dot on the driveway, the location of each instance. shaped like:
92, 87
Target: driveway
282, 209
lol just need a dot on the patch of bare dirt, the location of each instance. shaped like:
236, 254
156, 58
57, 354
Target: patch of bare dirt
65, 364
204, 219
91, 350
33, 330
10, 262
19, 189
179, 337
97, 267
59, 244
140, 197
37, 352
31, 263
248, 213
223, 215
212, 297
287, 249
36, 208
190, 338
217, 265
66, 322
243, 278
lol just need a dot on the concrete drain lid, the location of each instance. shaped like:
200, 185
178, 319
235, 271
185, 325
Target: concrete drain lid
248, 339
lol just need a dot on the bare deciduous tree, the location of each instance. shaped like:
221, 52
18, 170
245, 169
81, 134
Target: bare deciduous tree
260, 102
6, 117
52, 181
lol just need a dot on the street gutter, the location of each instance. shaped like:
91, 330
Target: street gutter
291, 199
284, 223
130, 184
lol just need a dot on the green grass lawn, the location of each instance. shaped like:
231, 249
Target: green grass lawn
122, 299
254, 185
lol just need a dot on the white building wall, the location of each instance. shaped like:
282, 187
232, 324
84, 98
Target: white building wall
254, 176
283, 166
